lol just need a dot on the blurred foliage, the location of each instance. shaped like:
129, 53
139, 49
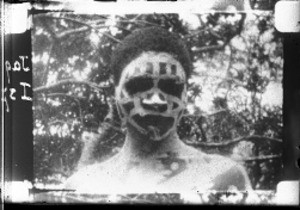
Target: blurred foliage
237, 57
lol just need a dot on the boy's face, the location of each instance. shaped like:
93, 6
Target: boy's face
151, 94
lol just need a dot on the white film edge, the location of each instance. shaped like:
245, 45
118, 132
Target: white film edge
287, 16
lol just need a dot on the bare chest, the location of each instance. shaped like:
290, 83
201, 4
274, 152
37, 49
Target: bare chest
165, 175
175, 176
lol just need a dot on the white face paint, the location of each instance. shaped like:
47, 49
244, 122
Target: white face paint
151, 94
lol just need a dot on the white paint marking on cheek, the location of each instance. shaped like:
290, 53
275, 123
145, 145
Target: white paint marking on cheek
118, 92
120, 111
137, 107
123, 94
181, 72
184, 95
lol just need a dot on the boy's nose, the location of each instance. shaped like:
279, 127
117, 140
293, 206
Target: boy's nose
155, 102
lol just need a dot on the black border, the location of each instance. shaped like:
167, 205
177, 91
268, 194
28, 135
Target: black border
18, 148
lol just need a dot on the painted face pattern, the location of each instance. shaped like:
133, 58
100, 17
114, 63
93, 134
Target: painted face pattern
151, 94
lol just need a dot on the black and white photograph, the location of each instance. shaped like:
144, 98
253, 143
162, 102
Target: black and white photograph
171, 102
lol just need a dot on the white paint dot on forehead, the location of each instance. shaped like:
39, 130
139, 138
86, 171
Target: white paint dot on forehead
156, 59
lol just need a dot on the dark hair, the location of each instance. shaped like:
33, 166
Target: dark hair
154, 39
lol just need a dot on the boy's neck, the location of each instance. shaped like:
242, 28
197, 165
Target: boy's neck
140, 148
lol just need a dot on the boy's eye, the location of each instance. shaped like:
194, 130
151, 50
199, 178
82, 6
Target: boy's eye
139, 84
171, 87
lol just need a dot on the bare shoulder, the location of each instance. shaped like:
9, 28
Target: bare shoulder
87, 178
228, 174
83, 175
197, 156
222, 172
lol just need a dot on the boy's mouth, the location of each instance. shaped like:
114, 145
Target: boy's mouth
154, 124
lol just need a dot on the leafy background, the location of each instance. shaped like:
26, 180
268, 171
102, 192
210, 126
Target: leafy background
235, 91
